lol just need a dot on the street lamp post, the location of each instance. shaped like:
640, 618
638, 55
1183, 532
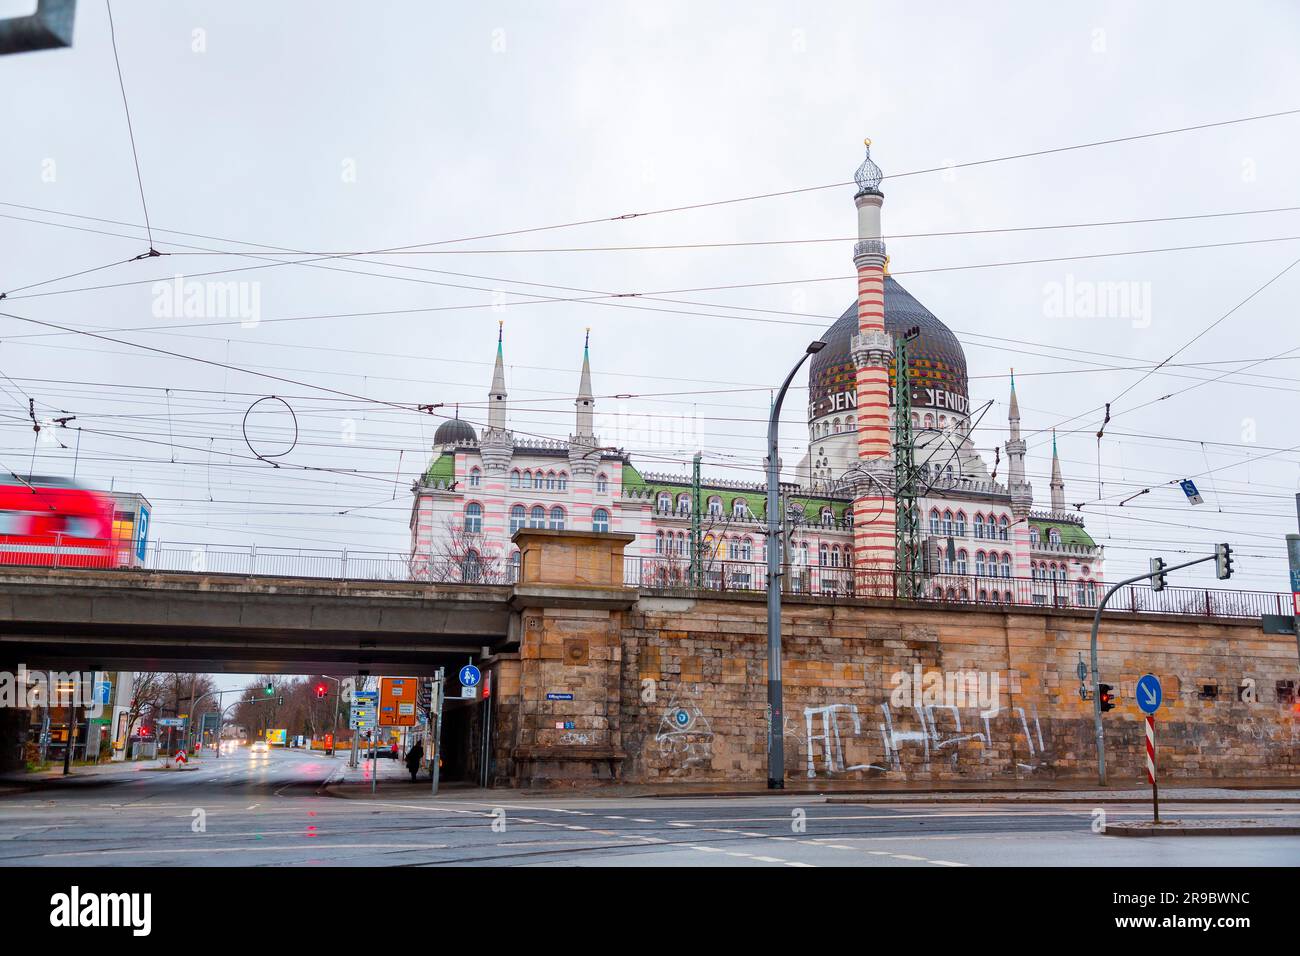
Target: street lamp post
775, 707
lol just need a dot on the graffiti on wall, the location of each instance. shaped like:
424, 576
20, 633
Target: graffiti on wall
684, 736
936, 734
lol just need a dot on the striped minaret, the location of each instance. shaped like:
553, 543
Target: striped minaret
873, 351
1022, 495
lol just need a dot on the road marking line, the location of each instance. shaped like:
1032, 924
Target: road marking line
946, 863
797, 863
641, 820
681, 825
770, 859
908, 856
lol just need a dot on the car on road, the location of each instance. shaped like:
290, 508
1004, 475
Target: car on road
259, 747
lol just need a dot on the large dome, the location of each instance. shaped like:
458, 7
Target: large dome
936, 363
454, 430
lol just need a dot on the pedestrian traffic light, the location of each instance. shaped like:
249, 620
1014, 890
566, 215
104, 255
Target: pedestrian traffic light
1157, 574
1223, 561
1105, 693
320, 691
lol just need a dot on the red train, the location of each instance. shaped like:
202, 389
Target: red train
54, 522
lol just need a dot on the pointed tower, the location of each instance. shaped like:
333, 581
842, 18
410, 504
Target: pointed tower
1022, 495
1058, 484
582, 443
873, 351
497, 445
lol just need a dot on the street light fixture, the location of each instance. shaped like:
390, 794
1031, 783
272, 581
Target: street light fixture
775, 706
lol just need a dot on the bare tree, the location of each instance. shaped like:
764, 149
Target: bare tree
462, 557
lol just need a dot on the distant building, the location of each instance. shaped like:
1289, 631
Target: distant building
983, 538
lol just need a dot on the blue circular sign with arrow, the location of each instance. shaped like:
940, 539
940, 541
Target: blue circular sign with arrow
1148, 694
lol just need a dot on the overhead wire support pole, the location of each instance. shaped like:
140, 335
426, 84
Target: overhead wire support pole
907, 531
775, 705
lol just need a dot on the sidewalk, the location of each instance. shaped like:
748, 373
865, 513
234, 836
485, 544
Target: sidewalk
391, 778
394, 781
26, 782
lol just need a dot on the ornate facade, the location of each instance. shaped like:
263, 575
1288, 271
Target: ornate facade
981, 537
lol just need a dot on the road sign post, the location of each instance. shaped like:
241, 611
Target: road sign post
437, 703
1149, 696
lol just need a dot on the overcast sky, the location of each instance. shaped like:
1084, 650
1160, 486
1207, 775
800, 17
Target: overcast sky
340, 127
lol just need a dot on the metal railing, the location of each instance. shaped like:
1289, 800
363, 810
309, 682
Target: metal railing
672, 573
650, 572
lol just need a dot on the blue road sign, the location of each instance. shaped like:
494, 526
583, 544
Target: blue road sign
142, 533
553, 696
469, 676
1189, 489
1148, 694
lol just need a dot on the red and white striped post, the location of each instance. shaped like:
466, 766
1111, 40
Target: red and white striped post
1151, 767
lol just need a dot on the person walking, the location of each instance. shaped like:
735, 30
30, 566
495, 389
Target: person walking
413, 758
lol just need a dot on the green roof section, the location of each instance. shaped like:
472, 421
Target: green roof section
632, 478
1071, 534
442, 468
755, 501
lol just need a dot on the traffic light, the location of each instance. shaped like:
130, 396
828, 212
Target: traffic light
270, 688
320, 691
1223, 561
279, 702
1106, 694
1157, 574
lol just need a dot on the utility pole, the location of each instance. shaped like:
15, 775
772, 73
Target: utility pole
1293, 560
437, 703
697, 540
907, 526
775, 704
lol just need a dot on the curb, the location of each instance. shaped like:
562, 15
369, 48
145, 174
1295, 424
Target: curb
1009, 798
1150, 830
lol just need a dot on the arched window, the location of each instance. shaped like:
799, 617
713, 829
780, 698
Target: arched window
557, 518
1004, 528
1006, 564
514, 565
602, 483
681, 542
848, 424
659, 542
961, 562
828, 516
550, 481
475, 477
1033, 535
947, 522
518, 515
537, 517
835, 556
539, 480
979, 564
683, 504
733, 549
951, 595
747, 549
665, 502
562, 481
471, 567
600, 520
514, 478
979, 525
934, 521
960, 526
1007, 597
739, 508
715, 507
984, 595
823, 555
1054, 537
473, 518
528, 478
929, 421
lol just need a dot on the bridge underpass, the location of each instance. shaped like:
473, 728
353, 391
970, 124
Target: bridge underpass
214, 623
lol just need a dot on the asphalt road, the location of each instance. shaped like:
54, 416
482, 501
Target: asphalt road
270, 810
